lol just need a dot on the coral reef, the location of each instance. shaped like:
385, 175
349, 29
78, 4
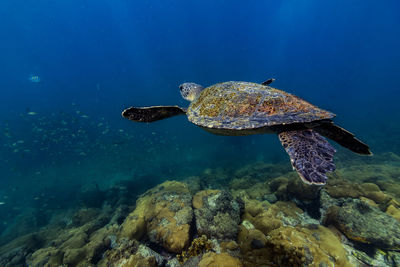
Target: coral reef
199, 245
130, 253
393, 209
364, 223
258, 215
212, 259
217, 214
164, 215
269, 217
298, 246
81, 246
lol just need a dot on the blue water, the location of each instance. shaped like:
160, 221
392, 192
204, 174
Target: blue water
94, 58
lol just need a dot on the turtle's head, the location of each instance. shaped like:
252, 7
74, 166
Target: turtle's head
190, 91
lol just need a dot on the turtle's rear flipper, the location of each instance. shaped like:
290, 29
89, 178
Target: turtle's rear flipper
269, 81
342, 137
150, 114
310, 154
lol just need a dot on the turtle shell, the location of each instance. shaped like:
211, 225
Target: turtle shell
246, 105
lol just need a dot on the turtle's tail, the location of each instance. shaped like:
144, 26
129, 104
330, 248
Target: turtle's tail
342, 137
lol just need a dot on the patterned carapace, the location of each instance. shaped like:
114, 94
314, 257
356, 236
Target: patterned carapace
246, 105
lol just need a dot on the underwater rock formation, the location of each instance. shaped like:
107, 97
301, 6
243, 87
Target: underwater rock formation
393, 209
305, 247
364, 223
131, 253
212, 259
217, 214
269, 219
80, 246
277, 238
338, 188
16, 252
199, 245
163, 215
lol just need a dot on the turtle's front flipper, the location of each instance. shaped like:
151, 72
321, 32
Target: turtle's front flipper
342, 137
150, 114
310, 154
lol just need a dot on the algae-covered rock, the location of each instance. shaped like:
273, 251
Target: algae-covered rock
250, 239
212, 259
338, 188
199, 245
120, 253
295, 246
292, 246
273, 217
279, 184
81, 246
392, 187
394, 211
164, 215
84, 215
134, 260
193, 183
254, 207
138, 260
217, 214
343, 188
15, 252
302, 191
372, 173
376, 257
131, 253
364, 223
46, 256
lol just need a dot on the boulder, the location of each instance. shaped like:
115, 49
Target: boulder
364, 223
217, 214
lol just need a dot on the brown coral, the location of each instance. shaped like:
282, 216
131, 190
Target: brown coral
212, 259
301, 246
164, 215
199, 245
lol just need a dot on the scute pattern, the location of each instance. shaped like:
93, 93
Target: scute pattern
311, 155
245, 105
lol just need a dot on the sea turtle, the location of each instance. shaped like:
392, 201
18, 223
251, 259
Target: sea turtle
244, 108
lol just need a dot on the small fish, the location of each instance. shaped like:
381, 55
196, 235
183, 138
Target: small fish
2, 203
34, 78
32, 113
